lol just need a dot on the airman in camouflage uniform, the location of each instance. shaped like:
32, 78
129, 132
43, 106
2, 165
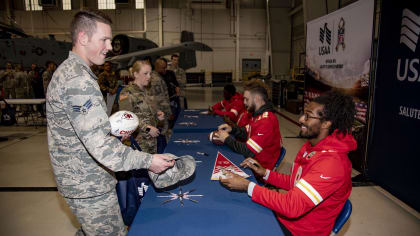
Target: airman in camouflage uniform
107, 80
159, 92
181, 77
21, 79
137, 100
83, 153
9, 82
47, 76
180, 74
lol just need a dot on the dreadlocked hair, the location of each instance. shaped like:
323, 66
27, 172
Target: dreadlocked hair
339, 109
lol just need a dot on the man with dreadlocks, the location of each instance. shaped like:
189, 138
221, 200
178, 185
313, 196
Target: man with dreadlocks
320, 179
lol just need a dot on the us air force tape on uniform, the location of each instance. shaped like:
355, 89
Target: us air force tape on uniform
183, 168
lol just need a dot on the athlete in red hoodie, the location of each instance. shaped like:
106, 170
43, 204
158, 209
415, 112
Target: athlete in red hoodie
320, 180
231, 106
262, 133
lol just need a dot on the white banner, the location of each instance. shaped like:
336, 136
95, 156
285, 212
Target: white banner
338, 46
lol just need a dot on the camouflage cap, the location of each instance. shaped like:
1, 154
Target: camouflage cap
183, 168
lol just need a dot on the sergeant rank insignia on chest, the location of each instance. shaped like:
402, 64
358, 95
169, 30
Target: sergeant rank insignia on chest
84, 108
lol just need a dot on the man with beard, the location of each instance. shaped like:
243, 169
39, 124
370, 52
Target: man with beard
320, 179
262, 133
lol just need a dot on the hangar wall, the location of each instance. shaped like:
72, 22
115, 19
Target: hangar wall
210, 26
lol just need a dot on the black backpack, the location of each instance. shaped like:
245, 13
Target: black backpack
8, 115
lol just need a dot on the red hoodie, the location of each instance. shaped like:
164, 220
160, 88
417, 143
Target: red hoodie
231, 108
318, 187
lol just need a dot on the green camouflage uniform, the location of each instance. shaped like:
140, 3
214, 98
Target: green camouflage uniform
180, 74
181, 77
137, 100
9, 84
83, 153
107, 82
30, 90
21, 79
159, 92
46, 79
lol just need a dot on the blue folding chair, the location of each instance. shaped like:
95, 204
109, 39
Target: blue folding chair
342, 217
281, 157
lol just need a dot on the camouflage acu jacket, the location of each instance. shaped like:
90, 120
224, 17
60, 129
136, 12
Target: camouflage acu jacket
180, 74
107, 82
82, 151
134, 99
159, 92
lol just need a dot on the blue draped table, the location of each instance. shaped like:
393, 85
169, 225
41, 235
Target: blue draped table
203, 124
219, 212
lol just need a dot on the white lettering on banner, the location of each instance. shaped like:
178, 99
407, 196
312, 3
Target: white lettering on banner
409, 112
408, 64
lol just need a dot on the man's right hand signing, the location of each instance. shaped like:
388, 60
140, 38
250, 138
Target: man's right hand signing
254, 165
160, 163
225, 127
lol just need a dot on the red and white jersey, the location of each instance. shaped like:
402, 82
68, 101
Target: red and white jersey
318, 187
264, 138
243, 118
231, 108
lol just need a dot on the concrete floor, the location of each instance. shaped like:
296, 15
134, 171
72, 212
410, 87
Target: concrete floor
24, 162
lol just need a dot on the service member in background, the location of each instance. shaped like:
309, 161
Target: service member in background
135, 98
181, 77
9, 82
159, 91
320, 179
36, 86
21, 78
47, 75
82, 151
172, 86
262, 133
108, 83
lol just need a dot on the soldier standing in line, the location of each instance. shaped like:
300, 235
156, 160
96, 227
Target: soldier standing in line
181, 77
172, 88
9, 82
108, 83
159, 92
47, 75
83, 153
36, 86
135, 97
21, 79
21, 83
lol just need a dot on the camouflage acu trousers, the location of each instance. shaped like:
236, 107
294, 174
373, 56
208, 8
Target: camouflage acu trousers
99, 215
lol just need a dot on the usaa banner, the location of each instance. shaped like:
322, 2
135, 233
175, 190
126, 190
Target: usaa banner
338, 52
393, 160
